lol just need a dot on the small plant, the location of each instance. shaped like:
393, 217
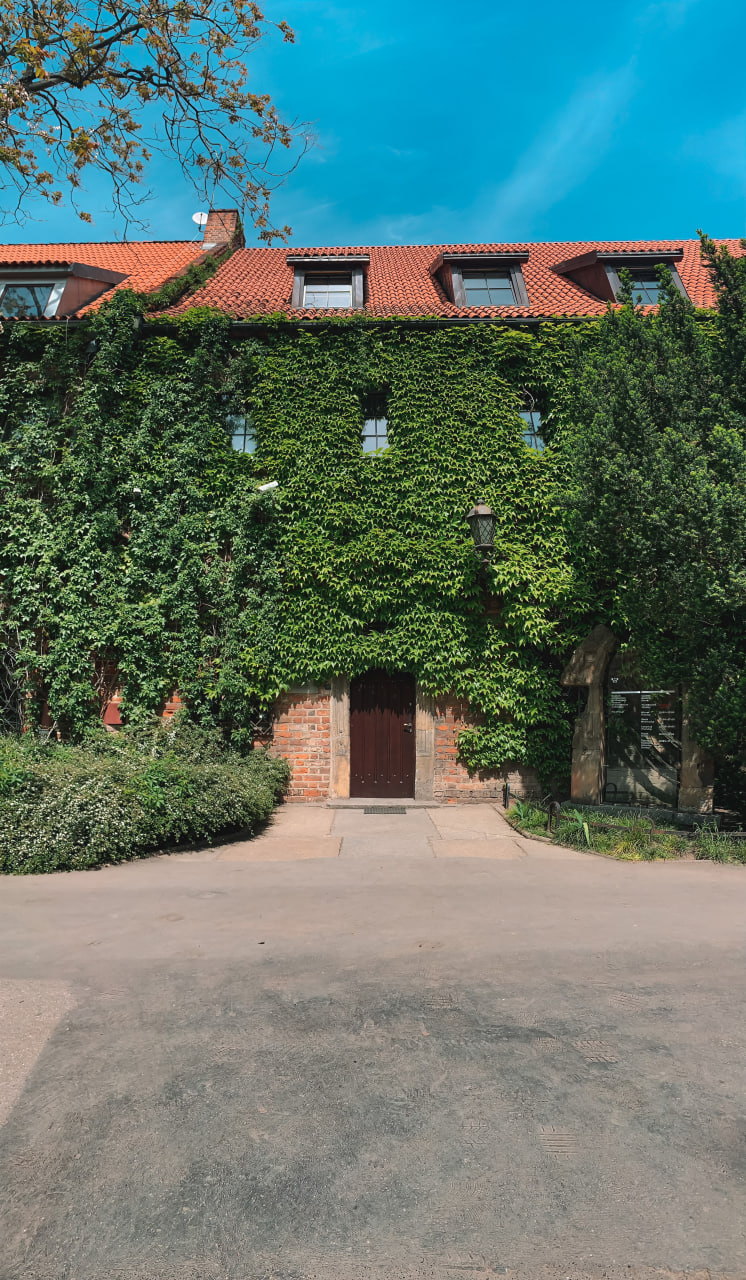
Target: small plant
719, 846
582, 829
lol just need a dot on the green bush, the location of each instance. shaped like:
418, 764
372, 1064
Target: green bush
114, 797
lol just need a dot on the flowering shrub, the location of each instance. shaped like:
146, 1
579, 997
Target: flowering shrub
114, 797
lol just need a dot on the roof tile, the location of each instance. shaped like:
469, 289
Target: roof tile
400, 280
148, 264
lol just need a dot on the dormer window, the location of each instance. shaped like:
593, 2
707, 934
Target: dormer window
488, 289
598, 272
51, 290
646, 288
28, 301
327, 291
483, 279
328, 282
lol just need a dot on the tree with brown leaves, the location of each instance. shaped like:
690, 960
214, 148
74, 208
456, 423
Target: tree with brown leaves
80, 80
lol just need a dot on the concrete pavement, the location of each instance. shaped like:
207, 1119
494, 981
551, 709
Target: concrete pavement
314, 831
381, 1059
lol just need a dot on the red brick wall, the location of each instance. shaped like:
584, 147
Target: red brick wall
452, 782
301, 734
171, 706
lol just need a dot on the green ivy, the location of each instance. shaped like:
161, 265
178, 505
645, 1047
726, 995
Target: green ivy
199, 583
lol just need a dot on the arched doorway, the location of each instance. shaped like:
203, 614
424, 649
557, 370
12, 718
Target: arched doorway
382, 735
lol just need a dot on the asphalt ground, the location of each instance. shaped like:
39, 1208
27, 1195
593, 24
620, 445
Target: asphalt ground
385, 1059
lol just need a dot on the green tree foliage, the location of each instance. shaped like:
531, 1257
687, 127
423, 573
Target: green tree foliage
654, 437
356, 561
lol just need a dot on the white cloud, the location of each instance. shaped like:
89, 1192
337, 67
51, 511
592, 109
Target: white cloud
565, 153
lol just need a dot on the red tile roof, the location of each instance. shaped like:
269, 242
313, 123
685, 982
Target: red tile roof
400, 280
147, 264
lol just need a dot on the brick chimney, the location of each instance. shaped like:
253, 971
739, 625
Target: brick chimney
220, 228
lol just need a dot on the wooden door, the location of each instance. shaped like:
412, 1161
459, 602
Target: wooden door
382, 735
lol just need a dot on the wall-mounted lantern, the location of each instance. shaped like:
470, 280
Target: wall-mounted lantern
481, 522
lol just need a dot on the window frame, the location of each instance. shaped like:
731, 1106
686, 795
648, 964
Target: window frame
354, 264
484, 273
529, 428
616, 283
450, 267
75, 284
374, 407
597, 271
29, 281
341, 276
249, 430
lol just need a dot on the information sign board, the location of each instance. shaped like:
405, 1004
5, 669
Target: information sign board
643, 746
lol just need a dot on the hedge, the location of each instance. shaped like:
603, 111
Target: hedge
114, 797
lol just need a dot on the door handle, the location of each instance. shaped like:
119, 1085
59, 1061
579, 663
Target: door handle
408, 728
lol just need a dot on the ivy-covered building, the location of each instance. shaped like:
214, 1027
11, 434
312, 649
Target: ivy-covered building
243, 476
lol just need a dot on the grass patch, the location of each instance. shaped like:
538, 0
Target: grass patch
630, 837
113, 797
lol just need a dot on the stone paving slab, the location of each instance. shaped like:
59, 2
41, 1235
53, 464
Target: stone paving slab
415, 846
500, 850
300, 819
288, 848
470, 822
355, 822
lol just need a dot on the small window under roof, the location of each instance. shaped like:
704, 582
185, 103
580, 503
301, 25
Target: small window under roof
483, 279
646, 288
25, 301
598, 272
488, 288
327, 291
328, 281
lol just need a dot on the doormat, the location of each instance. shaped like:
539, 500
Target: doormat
385, 808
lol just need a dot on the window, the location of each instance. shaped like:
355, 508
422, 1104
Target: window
327, 291
375, 422
329, 281
492, 289
482, 279
26, 301
646, 288
241, 432
598, 272
532, 429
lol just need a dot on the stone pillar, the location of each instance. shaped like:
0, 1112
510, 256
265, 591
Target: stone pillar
339, 783
697, 776
587, 670
424, 747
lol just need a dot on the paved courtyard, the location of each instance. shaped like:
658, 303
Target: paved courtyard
374, 1047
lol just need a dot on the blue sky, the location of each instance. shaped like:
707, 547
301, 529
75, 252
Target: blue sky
436, 122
